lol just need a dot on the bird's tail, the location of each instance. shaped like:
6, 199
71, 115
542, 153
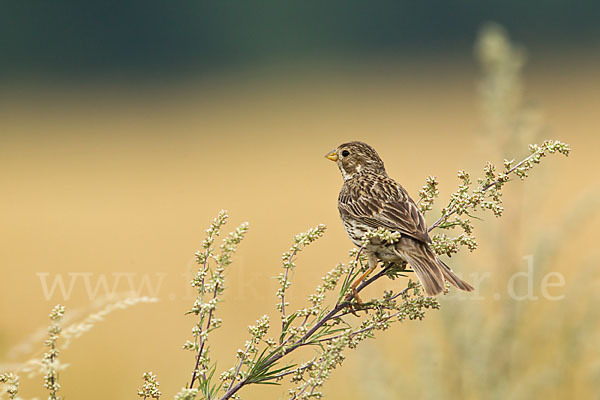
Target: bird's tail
451, 277
433, 272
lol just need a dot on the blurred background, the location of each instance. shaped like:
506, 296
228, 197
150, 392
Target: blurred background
126, 125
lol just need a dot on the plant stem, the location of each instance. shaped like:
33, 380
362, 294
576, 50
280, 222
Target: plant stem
302, 341
204, 271
210, 313
283, 288
452, 209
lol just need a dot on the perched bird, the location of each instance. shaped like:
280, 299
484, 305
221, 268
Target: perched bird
370, 199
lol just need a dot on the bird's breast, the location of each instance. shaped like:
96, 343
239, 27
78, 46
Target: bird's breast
355, 230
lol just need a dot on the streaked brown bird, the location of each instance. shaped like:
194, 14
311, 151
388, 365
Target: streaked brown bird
370, 199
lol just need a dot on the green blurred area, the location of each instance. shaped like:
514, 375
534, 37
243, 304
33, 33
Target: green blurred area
72, 38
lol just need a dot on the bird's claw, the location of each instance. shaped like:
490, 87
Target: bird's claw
354, 295
358, 302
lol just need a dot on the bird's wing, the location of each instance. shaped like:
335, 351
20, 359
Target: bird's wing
381, 202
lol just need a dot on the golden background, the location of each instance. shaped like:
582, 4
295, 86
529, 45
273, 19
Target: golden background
108, 179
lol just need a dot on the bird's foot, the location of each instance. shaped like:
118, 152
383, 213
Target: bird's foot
357, 304
354, 295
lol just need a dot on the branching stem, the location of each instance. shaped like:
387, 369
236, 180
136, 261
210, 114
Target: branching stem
452, 210
334, 313
283, 289
202, 341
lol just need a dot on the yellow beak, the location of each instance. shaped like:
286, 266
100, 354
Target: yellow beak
332, 155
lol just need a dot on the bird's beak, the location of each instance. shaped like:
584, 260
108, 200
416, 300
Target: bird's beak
332, 155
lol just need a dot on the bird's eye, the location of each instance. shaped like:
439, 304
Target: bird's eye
345, 153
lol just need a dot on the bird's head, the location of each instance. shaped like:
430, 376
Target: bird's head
355, 157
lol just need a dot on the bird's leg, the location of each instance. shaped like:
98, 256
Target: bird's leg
372, 259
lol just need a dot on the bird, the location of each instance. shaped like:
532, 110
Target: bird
369, 199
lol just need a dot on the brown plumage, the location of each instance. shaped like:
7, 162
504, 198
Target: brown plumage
370, 199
